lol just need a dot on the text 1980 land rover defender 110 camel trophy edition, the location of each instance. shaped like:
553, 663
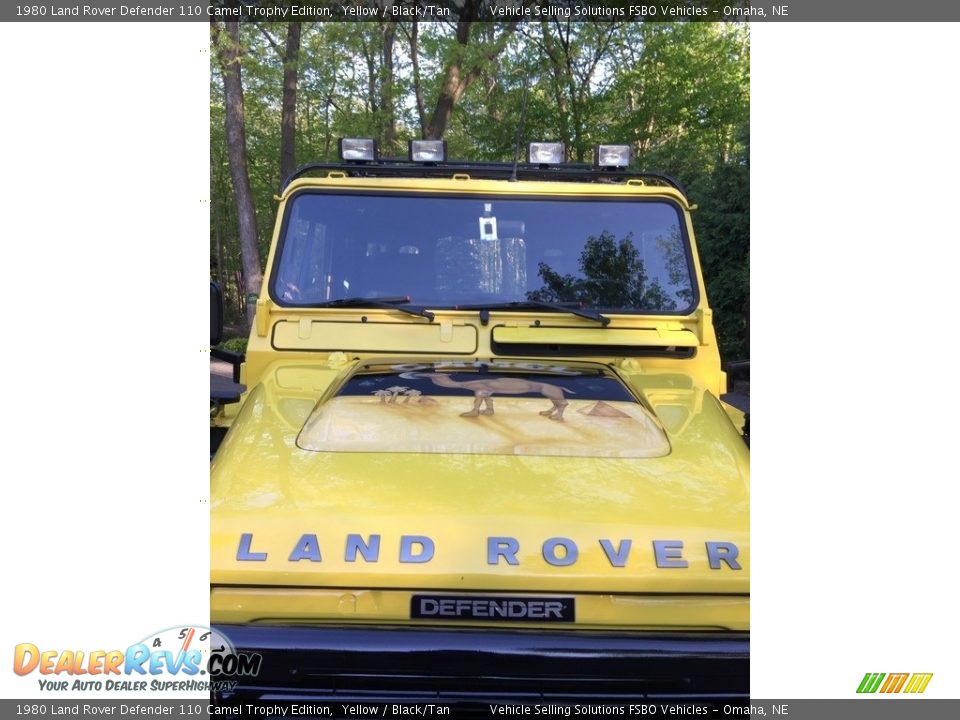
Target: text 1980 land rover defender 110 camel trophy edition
481, 453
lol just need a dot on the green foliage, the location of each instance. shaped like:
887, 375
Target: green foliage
237, 345
613, 276
678, 93
723, 234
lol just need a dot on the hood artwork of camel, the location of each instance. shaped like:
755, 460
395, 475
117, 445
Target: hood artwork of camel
483, 391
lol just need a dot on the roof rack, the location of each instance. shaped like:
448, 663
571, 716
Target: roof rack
484, 171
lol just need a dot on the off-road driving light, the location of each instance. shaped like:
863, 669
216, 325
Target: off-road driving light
428, 150
358, 149
616, 156
545, 153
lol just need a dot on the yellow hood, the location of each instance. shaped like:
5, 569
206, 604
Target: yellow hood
285, 513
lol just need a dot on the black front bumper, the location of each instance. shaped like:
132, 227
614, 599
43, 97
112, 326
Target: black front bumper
470, 666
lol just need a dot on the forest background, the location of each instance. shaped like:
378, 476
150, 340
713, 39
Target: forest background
679, 93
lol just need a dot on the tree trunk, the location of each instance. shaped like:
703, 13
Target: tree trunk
417, 87
557, 66
387, 104
452, 86
288, 111
458, 78
372, 96
216, 210
227, 42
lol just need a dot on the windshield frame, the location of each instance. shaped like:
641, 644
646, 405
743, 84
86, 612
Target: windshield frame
481, 195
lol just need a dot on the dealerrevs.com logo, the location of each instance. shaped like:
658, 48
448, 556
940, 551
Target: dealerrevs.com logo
894, 682
183, 658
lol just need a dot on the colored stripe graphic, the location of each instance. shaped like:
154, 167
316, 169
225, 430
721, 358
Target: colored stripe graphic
918, 683
870, 682
894, 683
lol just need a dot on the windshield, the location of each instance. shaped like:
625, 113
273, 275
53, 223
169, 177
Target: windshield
445, 251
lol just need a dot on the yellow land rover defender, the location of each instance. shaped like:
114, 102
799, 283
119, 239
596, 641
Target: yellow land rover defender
481, 452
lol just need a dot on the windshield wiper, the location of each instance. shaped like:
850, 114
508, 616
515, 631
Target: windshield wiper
389, 303
574, 308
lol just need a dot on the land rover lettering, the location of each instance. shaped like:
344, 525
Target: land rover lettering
504, 551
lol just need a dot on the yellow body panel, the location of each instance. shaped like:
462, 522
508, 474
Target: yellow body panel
266, 486
393, 337
284, 513
660, 335
294, 606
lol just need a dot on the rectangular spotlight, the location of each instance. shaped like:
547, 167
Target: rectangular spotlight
546, 153
358, 149
428, 151
612, 156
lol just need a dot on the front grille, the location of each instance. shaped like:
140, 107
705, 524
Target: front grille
468, 666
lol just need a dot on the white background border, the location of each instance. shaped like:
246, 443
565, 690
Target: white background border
855, 154
104, 466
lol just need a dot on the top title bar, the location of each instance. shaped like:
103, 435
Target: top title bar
483, 11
